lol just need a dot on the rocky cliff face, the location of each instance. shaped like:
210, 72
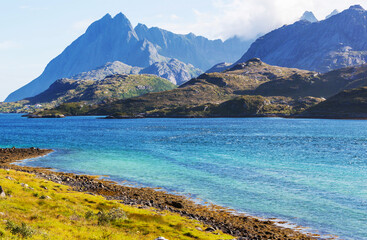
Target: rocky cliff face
114, 39
175, 71
335, 42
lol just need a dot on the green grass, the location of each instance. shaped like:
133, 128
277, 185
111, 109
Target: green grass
65, 214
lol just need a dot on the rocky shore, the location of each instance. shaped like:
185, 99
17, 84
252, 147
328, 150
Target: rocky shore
218, 218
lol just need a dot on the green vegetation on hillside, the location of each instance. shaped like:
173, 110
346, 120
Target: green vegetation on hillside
90, 92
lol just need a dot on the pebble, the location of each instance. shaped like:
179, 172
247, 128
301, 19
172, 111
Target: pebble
160, 238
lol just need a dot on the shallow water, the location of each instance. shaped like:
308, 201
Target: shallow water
309, 172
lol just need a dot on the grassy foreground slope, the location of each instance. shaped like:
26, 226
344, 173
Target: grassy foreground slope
35, 208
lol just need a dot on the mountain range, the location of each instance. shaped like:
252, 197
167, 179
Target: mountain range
114, 39
336, 42
263, 88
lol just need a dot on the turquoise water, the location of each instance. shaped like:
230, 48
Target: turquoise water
309, 172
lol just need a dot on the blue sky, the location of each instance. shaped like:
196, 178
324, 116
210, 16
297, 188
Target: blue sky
35, 31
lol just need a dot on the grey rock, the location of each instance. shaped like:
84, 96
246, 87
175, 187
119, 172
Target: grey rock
9, 178
2, 192
220, 67
161, 238
46, 197
210, 229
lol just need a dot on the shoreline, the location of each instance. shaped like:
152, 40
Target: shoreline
331, 117
242, 226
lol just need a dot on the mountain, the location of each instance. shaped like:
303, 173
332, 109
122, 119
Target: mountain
333, 43
114, 39
309, 16
346, 104
110, 88
335, 12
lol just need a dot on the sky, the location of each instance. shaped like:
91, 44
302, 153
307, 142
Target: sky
33, 32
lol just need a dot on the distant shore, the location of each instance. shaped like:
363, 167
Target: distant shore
219, 218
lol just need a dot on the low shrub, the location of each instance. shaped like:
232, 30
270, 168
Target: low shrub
21, 230
112, 216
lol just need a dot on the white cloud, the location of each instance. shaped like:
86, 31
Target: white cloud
174, 17
5, 45
249, 18
82, 24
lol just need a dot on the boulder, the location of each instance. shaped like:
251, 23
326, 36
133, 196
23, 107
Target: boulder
2, 193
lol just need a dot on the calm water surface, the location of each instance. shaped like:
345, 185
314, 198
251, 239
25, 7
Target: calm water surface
309, 172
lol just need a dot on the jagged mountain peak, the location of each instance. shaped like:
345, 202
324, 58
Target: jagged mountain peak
356, 7
121, 17
107, 16
112, 26
309, 16
333, 13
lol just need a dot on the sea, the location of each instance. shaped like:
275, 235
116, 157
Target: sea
307, 172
